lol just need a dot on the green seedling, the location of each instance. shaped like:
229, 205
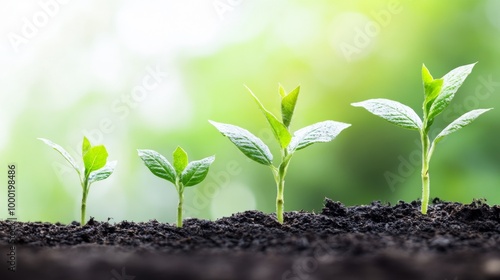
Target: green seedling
255, 149
182, 174
438, 94
96, 167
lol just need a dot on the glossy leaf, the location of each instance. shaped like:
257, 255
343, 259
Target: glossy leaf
94, 159
462, 121
279, 129
432, 88
246, 142
281, 91
288, 103
85, 145
393, 112
319, 132
102, 173
180, 160
63, 152
451, 83
158, 164
196, 171
426, 75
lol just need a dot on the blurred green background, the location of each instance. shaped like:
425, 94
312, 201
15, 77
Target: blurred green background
149, 74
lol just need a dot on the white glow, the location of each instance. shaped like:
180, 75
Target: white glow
11, 13
233, 22
167, 106
106, 63
154, 26
298, 29
5, 128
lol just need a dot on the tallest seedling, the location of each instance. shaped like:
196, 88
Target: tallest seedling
256, 150
438, 94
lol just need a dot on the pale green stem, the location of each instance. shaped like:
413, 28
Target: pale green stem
84, 201
180, 190
279, 177
426, 154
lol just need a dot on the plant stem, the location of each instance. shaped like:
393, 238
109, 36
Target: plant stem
180, 190
280, 201
84, 201
425, 172
279, 177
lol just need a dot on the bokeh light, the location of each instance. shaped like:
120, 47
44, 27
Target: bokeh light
150, 74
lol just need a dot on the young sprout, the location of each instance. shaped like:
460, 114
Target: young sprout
182, 174
96, 167
438, 94
256, 150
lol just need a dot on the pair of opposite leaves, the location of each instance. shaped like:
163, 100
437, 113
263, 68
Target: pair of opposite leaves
438, 94
96, 167
255, 149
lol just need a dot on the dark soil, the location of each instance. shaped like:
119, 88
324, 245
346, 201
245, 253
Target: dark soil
454, 242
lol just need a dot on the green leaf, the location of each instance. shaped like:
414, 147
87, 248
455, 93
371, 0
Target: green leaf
63, 152
431, 91
324, 131
288, 103
85, 145
102, 173
95, 159
432, 88
451, 83
393, 112
180, 160
426, 75
246, 142
462, 121
279, 129
196, 171
282, 91
158, 165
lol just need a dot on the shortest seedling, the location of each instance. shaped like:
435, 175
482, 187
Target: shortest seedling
182, 174
96, 167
